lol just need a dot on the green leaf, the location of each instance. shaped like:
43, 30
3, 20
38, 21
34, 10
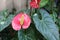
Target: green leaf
46, 25
43, 3
5, 23
58, 22
26, 34
54, 16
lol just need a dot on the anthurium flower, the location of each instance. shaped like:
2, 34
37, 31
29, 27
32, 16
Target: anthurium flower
35, 3
21, 21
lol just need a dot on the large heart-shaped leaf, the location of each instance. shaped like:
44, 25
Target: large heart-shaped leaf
5, 23
43, 3
28, 34
46, 25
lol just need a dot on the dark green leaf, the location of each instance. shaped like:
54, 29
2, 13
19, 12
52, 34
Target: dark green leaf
26, 34
43, 3
46, 26
54, 16
5, 23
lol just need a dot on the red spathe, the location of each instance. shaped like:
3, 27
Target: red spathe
35, 3
16, 22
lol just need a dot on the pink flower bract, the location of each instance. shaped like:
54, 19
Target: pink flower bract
21, 21
35, 3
